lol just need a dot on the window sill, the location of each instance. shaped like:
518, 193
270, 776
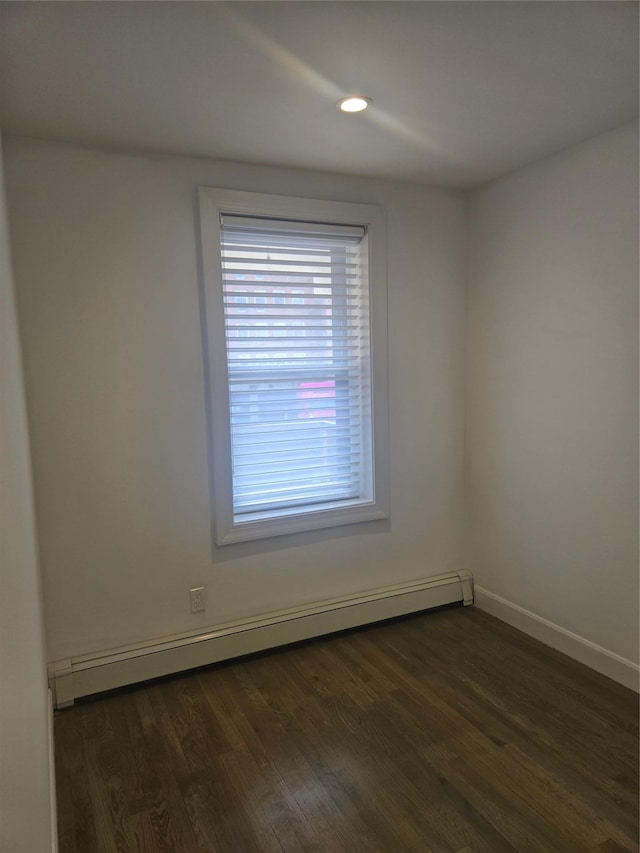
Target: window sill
246, 531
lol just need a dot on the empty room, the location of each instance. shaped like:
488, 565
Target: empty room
319, 440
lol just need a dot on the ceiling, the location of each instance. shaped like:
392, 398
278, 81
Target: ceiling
463, 91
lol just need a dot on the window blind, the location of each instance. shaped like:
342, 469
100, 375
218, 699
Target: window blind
296, 310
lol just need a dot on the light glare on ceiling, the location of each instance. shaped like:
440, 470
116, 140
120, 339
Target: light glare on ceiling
353, 103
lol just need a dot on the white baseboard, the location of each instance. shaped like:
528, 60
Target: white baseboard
612, 665
87, 674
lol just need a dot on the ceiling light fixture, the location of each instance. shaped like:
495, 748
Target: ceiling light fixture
353, 103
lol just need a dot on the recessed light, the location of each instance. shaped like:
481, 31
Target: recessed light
353, 103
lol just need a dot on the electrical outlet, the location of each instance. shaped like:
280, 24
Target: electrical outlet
197, 599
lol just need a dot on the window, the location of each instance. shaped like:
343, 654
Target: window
298, 386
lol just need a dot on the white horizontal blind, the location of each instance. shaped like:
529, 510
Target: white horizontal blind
297, 340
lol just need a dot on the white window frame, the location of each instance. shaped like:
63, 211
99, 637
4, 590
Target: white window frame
213, 203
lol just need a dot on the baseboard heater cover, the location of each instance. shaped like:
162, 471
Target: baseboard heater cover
74, 677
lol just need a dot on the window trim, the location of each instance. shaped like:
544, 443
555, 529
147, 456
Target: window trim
212, 203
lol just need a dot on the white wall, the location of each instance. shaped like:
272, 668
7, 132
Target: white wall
25, 820
553, 390
106, 271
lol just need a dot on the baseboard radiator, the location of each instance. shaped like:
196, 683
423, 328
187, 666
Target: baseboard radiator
74, 677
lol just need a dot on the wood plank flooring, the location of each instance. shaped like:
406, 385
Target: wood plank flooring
447, 731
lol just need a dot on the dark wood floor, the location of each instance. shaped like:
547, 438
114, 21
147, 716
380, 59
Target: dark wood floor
449, 731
